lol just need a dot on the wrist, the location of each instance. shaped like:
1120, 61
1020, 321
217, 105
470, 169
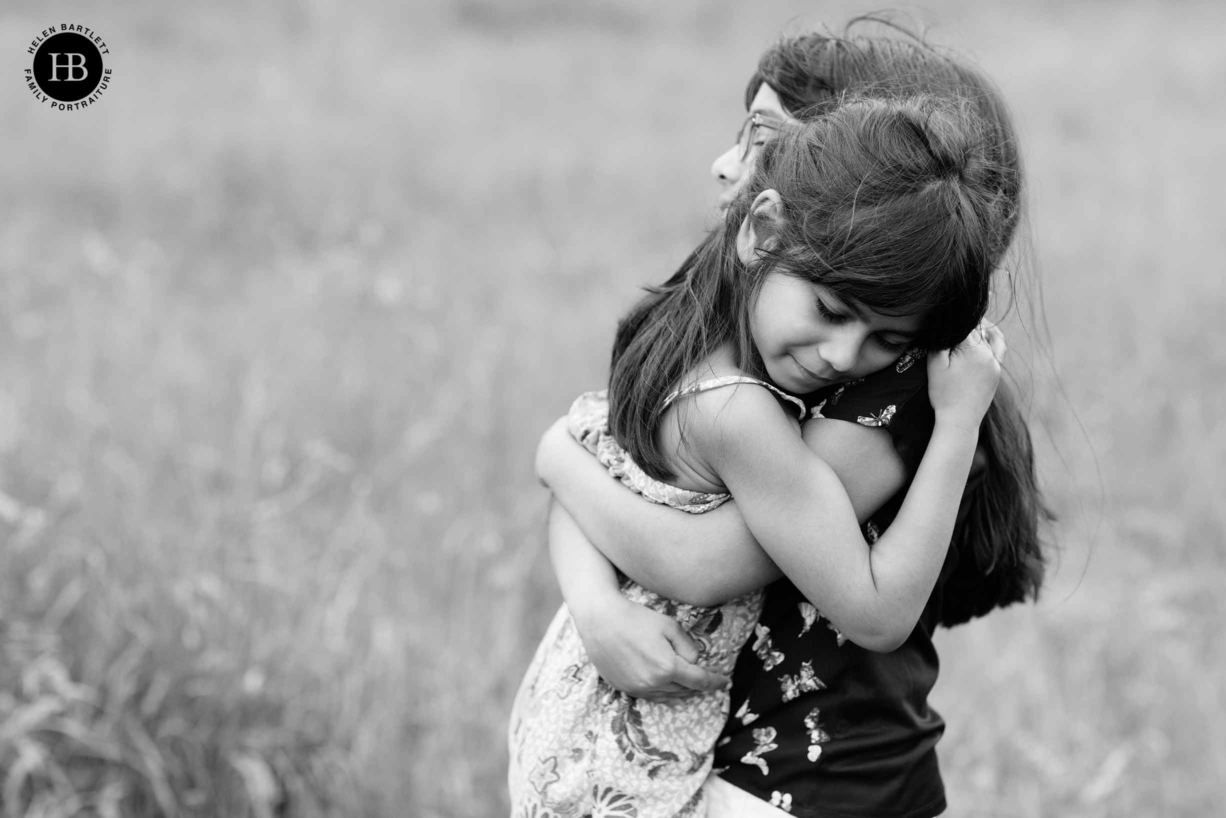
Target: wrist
952, 423
958, 437
595, 606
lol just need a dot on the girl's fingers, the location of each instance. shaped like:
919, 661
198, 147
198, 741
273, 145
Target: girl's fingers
671, 691
996, 341
976, 336
694, 678
988, 334
681, 642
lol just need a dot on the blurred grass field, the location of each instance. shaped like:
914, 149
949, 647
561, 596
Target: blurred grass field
283, 315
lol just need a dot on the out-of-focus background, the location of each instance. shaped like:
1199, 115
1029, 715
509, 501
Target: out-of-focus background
283, 315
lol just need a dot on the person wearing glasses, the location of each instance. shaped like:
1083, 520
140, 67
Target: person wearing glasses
818, 725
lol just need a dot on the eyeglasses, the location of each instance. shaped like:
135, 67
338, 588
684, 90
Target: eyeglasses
749, 130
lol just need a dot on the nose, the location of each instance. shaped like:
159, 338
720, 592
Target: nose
841, 349
727, 168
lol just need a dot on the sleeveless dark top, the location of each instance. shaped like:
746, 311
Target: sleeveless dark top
819, 726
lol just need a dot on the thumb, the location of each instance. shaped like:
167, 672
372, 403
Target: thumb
685, 647
697, 678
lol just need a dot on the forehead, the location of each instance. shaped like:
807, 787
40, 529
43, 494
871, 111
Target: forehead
766, 101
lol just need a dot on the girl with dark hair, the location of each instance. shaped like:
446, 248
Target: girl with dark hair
862, 742
883, 214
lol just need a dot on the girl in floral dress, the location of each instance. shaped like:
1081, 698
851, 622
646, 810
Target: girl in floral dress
897, 201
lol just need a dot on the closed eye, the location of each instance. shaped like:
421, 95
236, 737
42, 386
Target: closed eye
829, 314
893, 343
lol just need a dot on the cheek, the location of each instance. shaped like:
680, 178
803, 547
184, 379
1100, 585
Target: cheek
795, 322
771, 324
874, 360
737, 180
740, 172
755, 324
779, 330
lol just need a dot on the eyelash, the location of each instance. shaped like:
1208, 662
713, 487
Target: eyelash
829, 314
838, 318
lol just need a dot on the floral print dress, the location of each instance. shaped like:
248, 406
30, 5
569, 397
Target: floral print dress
580, 748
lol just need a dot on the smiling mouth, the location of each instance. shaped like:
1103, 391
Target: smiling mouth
809, 372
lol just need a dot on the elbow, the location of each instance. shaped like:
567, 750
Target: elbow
701, 588
869, 623
681, 575
705, 597
881, 642
885, 637
693, 591
547, 449
710, 583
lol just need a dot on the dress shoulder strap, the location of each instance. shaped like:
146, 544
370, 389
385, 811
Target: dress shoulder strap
729, 380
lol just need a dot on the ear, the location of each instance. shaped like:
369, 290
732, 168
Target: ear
767, 208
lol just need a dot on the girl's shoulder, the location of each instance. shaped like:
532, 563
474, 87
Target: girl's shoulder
718, 382
732, 411
723, 382
722, 408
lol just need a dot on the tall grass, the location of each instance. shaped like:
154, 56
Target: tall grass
282, 316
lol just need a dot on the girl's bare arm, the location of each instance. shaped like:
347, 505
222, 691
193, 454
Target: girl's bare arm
634, 648
707, 558
874, 596
639, 651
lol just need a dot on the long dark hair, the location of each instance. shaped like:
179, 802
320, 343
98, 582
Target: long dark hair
897, 205
1000, 550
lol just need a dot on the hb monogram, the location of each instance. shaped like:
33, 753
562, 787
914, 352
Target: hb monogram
71, 65
68, 71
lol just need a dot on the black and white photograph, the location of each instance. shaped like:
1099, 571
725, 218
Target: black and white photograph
612, 409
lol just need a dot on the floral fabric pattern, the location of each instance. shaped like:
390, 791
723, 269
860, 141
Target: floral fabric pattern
580, 748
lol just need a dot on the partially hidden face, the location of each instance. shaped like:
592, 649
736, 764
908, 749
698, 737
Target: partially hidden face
809, 338
733, 168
